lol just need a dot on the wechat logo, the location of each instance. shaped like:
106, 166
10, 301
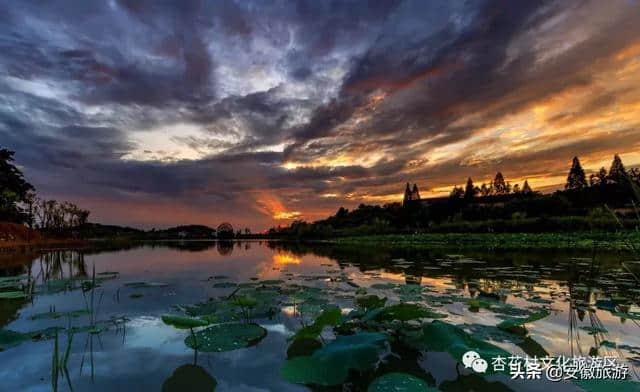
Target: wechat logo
471, 359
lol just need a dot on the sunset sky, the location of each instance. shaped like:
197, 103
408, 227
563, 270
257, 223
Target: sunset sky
154, 113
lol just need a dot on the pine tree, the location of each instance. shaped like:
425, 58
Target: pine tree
456, 193
407, 194
576, 178
14, 189
485, 190
602, 176
469, 190
526, 189
617, 173
499, 185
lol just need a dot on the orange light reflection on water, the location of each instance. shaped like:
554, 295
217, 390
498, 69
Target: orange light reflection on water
286, 258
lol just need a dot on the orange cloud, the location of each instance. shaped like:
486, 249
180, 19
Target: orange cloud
271, 205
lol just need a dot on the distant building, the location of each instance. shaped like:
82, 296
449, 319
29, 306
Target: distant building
411, 194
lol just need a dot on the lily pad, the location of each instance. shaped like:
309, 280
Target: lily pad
330, 365
13, 295
444, 337
224, 285
303, 347
331, 316
183, 322
226, 337
369, 302
189, 378
57, 315
406, 312
512, 324
399, 382
141, 285
630, 315
383, 286
10, 338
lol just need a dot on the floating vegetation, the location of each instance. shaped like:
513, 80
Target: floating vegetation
330, 316
407, 312
226, 337
181, 322
399, 382
10, 338
224, 285
330, 365
142, 285
190, 378
349, 328
444, 337
516, 325
56, 315
13, 295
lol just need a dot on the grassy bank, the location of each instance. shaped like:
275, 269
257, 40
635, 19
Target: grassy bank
36, 245
577, 240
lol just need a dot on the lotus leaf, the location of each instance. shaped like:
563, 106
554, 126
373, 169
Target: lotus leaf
330, 365
399, 382
226, 337
183, 322
303, 347
13, 295
140, 285
189, 378
512, 324
444, 337
371, 302
406, 312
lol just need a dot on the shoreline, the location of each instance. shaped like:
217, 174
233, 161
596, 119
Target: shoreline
8, 247
576, 240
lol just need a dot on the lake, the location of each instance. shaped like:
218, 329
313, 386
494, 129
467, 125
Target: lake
92, 319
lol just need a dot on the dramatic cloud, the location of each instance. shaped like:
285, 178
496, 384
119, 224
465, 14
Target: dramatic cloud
159, 112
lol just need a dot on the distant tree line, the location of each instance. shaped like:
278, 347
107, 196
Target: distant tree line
496, 187
20, 204
496, 206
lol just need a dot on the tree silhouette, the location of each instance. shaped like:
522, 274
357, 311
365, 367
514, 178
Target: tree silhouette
469, 190
485, 190
14, 189
602, 177
500, 187
457, 193
576, 178
526, 189
617, 173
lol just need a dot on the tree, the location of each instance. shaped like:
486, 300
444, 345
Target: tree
14, 189
526, 189
576, 178
485, 190
602, 178
470, 190
617, 173
457, 193
634, 174
516, 189
499, 185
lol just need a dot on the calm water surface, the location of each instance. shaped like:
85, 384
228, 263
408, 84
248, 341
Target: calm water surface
122, 344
